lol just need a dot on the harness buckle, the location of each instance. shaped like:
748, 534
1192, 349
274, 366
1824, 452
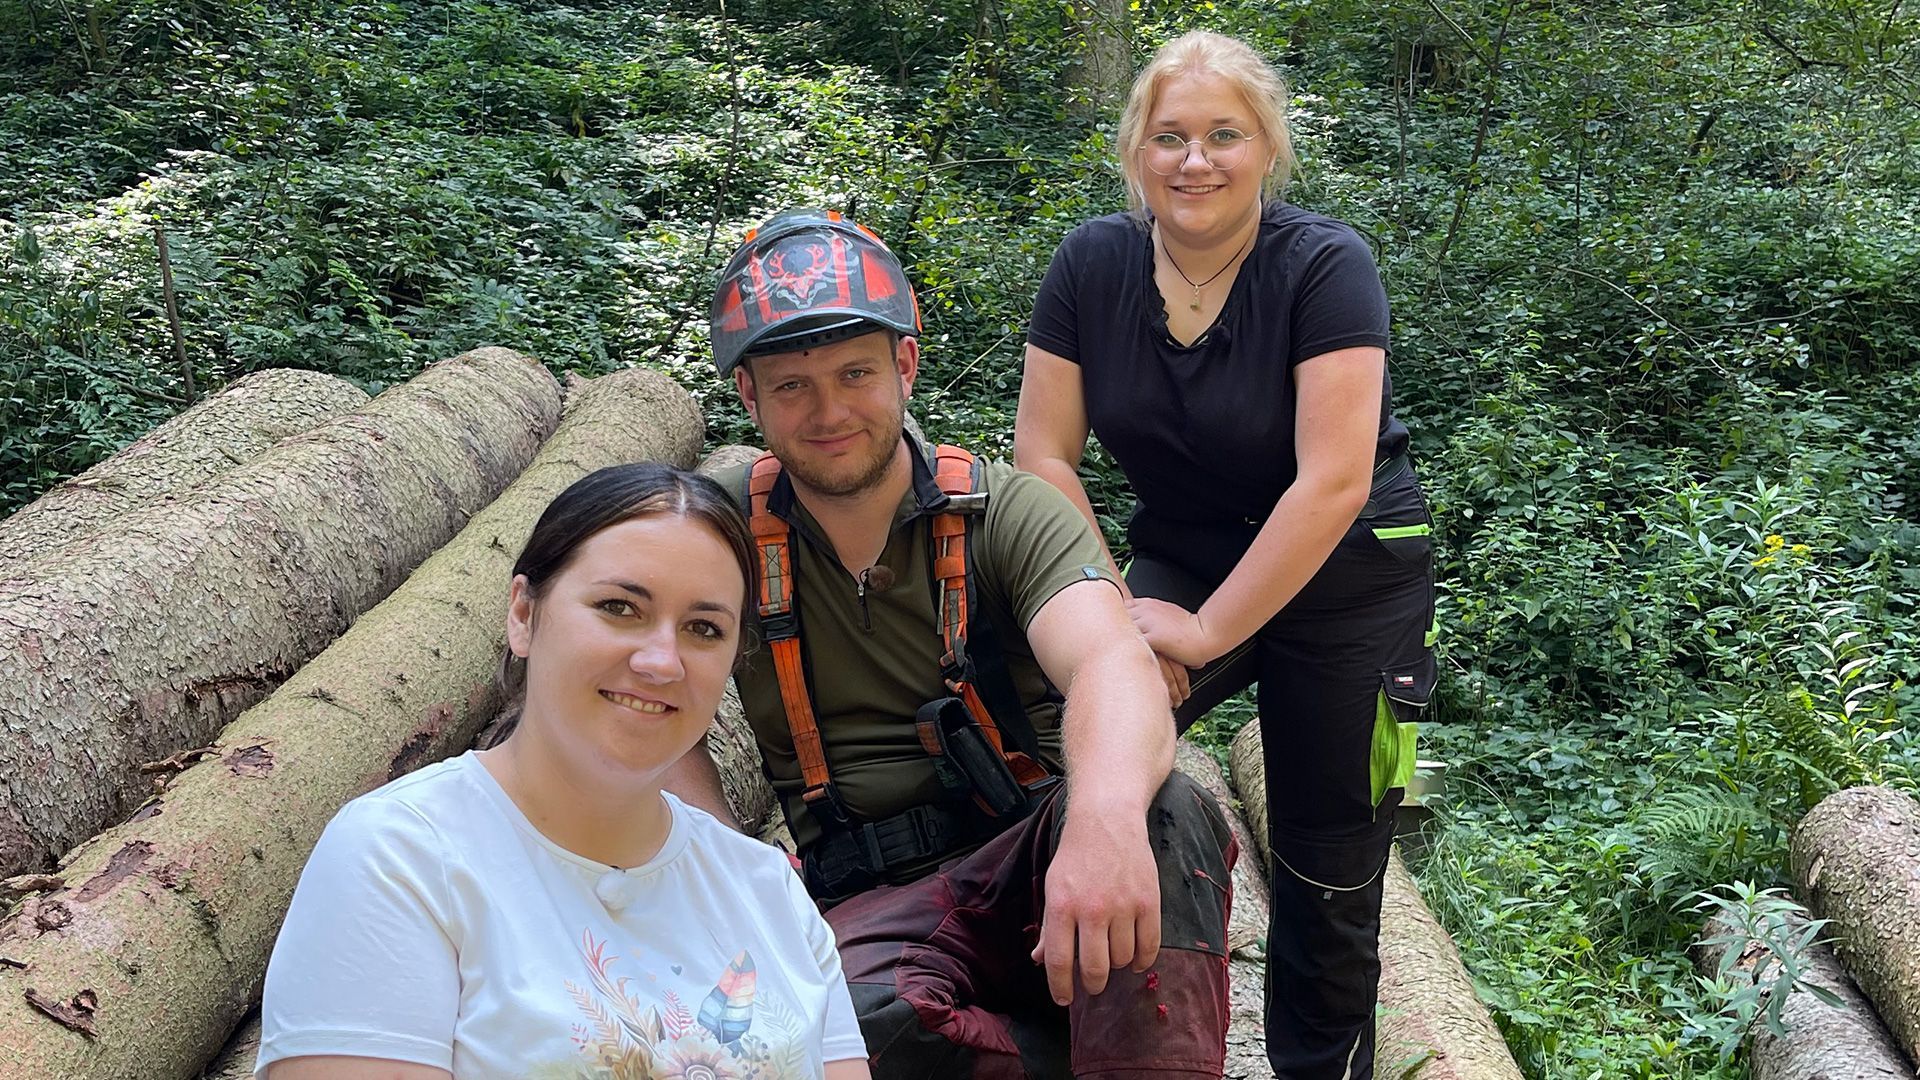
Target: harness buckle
956, 667
866, 839
780, 626
930, 833
825, 799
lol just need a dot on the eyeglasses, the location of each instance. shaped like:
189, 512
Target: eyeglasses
1223, 148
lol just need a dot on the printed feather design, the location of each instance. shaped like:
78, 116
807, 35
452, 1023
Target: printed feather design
728, 1010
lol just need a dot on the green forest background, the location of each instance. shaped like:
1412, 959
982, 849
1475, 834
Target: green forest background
1654, 277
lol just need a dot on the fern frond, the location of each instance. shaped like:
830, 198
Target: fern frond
1699, 813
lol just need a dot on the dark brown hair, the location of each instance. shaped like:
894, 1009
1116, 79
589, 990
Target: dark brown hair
608, 497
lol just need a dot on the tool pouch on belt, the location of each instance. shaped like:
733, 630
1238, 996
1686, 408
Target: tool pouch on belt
965, 760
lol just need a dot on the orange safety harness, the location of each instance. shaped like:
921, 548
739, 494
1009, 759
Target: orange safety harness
955, 472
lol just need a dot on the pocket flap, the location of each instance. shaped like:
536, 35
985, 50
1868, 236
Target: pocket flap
1411, 684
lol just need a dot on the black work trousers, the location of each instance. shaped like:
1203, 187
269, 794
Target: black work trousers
1351, 649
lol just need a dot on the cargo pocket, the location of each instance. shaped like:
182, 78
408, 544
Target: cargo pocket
1411, 544
1404, 693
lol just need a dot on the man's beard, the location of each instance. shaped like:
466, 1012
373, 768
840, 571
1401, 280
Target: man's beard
848, 478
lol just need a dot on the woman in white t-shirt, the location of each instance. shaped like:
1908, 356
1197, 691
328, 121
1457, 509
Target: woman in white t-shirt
543, 910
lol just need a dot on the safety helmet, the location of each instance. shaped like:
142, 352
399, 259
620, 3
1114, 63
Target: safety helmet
804, 279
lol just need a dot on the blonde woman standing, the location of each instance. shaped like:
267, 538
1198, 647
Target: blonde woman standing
1230, 352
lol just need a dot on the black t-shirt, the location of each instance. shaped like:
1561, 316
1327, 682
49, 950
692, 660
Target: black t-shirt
1205, 431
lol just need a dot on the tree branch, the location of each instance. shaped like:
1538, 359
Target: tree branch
1466, 39
1805, 64
1479, 144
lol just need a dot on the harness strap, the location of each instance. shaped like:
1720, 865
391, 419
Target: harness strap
782, 629
955, 472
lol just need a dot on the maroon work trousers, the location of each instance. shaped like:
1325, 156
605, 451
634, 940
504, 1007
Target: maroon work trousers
942, 978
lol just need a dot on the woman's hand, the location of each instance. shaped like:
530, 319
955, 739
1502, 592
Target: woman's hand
1178, 685
1175, 633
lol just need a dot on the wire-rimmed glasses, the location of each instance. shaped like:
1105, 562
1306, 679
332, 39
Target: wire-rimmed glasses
1223, 148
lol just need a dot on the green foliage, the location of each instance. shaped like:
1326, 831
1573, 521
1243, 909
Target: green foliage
1766, 929
1656, 329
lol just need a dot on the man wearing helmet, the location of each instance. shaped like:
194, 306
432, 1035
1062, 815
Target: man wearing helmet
923, 612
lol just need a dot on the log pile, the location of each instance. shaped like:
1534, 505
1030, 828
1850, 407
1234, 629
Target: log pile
1856, 857
155, 944
222, 431
1431, 1024
145, 950
142, 641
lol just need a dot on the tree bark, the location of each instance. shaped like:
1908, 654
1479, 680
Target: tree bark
159, 941
1432, 1025
1249, 771
226, 429
1857, 859
1103, 72
1822, 1042
1247, 1019
145, 640
235, 1060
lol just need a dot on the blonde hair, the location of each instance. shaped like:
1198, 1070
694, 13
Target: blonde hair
1205, 52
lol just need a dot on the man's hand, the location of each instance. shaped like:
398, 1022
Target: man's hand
1103, 894
1175, 633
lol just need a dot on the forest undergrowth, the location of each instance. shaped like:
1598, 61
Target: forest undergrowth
1656, 287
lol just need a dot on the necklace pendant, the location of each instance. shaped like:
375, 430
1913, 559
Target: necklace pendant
1195, 306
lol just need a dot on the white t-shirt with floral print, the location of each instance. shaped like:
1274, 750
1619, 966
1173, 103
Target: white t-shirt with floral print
434, 924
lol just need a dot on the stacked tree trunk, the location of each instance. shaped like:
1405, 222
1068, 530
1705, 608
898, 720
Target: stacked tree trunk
1821, 1042
140, 642
224, 430
1856, 857
155, 945
1431, 1024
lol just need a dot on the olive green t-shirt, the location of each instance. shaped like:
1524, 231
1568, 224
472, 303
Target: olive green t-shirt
874, 661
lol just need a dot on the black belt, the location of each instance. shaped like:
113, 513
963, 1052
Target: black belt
1384, 474
847, 859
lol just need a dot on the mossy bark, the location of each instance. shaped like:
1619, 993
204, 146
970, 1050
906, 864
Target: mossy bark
1432, 1024
235, 1060
144, 640
1821, 1042
159, 941
221, 432
1857, 859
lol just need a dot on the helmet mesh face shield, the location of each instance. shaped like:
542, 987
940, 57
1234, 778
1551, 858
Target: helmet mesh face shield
804, 279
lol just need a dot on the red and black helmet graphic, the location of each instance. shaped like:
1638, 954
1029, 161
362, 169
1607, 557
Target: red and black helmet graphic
807, 278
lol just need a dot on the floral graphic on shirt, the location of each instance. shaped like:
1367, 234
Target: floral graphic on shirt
738, 1033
